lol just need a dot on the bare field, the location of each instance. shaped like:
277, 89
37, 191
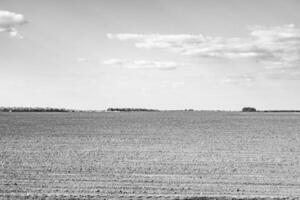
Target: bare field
149, 155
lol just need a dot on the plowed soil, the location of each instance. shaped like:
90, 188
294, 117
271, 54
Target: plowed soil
149, 155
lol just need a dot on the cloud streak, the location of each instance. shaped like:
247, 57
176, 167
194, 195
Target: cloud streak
142, 64
9, 21
275, 47
236, 79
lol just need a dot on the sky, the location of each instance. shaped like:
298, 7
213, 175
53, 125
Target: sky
162, 54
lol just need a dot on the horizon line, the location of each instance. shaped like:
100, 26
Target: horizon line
125, 109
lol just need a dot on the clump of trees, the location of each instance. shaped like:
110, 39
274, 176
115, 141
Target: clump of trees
130, 110
249, 109
188, 110
33, 109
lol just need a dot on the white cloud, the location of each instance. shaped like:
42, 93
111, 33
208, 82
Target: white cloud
236, 79
113, 61
275, 47
9, 21
142, 64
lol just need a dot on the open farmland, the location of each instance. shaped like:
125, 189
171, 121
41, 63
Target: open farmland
154, 155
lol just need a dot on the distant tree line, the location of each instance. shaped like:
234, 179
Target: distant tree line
32, 109
280, 111
131, 110
251, 109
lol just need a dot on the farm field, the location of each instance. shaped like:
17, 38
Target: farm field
149, 155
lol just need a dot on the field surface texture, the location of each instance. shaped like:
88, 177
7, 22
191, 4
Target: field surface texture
149, 155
